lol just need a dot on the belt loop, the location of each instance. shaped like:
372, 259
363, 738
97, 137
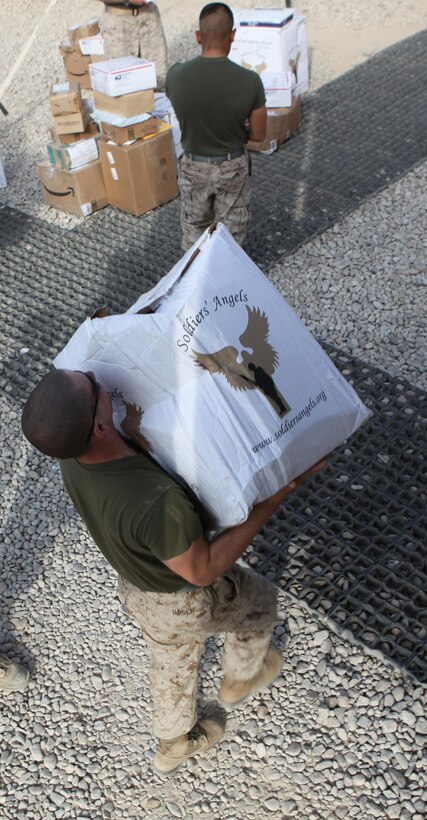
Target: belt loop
135, 12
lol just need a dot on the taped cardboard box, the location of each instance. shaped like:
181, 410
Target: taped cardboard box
77, 65
92, 45
140, 176
65, 98
232, 392
282, 123
80, 192
73, 123
81, 30
270, 40
90, 131
73, 156
278, 88
126, 133
127, 105
123, 76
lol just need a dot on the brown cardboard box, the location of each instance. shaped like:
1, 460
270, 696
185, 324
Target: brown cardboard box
282, 123
140, 176
91, 130
128, 105
121, 134
80, 192
73, 123
66, 99
76, 64
88, 29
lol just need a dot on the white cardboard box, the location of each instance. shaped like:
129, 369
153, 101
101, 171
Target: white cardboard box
92, 45
232, 393
122, 76
267, 40
278, 88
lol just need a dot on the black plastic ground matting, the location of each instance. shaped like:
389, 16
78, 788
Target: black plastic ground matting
353, 543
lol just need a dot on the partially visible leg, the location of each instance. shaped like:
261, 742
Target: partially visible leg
232, 196
196, 200
152, 40
116, 36
246, 610
169, 623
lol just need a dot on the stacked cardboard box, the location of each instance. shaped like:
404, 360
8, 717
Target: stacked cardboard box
136, 149
72, 178
282, 123
83, 47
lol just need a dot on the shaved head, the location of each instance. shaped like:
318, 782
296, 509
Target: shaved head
215, 24
57, 415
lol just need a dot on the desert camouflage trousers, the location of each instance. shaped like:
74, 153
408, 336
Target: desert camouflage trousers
240, 603
140, 36
214, 193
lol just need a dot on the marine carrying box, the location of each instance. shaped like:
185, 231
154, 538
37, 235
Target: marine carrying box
80, 192
140, 176
282, 123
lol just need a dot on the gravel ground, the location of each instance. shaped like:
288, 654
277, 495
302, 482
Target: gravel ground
340, 35
340, 734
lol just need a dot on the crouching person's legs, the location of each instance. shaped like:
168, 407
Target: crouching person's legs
170, 625
247, 613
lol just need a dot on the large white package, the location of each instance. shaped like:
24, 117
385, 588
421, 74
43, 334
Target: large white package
272, 40
221, 379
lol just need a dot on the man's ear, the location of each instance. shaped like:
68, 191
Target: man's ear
198, 37
232, 35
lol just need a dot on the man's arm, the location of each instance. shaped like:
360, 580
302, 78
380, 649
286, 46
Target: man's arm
202, 563
257, 124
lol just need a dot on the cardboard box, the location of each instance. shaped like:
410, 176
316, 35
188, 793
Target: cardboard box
65, 98
91, 130
73, 156
73, 123
80, 192
140, 176
81, 30
278, 88
127, 105
92, 45
266, 40
123, 76
232, 392
121, 134
77, 65
282, 123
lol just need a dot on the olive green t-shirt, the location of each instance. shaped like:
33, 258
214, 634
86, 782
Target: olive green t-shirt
212, 98
137, 515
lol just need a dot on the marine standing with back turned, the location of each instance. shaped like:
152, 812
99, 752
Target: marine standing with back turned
219, 105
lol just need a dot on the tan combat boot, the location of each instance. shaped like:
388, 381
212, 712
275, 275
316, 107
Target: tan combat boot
233, 692
172, 753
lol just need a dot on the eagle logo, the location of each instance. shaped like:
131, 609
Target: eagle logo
252, 368
131, 426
